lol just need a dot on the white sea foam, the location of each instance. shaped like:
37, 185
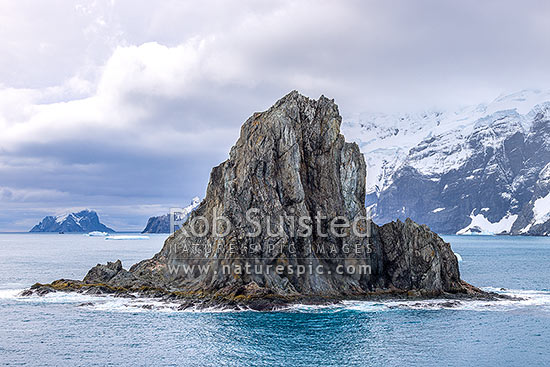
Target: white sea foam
112, 304
107, 303
9, 293
458, 257
529, 298
53, 297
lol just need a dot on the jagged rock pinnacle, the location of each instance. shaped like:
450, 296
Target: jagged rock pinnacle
284, 217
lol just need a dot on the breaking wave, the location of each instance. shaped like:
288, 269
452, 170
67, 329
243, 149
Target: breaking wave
523, 299
107, 303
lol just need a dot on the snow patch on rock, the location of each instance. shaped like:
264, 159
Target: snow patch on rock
482, 226
541, 210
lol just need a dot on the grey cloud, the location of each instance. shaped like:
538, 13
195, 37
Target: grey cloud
151, 138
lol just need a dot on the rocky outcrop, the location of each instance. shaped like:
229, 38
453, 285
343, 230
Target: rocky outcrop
284, 220
112, 274
418, 259
84, 221
103, 273
161, 224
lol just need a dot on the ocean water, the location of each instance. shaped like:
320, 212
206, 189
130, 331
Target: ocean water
74, 330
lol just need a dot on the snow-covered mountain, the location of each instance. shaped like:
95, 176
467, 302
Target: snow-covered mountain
83, 221
161, 224
477, 170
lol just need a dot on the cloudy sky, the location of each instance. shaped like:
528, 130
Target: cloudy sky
124, 106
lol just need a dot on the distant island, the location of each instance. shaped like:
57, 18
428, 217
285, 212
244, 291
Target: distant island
161, 224
82, 222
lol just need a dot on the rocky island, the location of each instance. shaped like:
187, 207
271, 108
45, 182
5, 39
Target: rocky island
161, 224
290, 201
83, 221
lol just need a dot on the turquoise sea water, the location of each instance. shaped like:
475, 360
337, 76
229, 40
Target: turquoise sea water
72, 330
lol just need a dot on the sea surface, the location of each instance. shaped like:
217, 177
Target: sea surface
79, 330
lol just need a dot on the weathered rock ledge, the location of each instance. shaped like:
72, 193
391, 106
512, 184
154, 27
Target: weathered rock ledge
290, 163
250, 297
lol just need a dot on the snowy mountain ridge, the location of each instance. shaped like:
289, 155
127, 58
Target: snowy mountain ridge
386, 139
471, 171
83, 221
161, 224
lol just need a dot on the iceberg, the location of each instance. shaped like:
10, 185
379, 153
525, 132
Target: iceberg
97, 234
127, 237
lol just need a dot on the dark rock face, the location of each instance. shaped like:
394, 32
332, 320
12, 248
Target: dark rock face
103, 273
160, 224
417, 258
291, 163
111, 274
499, 179
83, 221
